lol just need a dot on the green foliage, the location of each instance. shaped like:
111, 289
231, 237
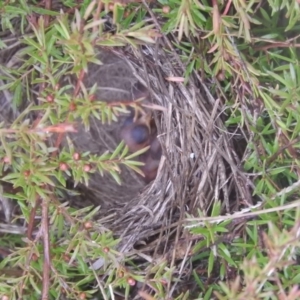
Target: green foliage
258, 261
38, 172
249, 53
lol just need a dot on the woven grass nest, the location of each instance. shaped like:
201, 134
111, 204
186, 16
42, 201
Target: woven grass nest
200, 161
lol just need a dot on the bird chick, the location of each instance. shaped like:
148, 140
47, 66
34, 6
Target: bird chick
151, 159
139, 133
136, 133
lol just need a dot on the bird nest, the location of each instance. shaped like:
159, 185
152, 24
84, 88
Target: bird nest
199, 163
200, 159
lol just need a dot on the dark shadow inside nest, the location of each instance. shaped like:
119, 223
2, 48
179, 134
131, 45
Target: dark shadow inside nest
116, 83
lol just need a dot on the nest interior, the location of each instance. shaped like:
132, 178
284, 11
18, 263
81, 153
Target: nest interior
199, 164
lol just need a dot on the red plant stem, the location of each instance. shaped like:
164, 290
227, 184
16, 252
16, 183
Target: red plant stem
47, 258
227, 8
31, 219
48, 4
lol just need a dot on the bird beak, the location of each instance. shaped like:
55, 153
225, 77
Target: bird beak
146, 119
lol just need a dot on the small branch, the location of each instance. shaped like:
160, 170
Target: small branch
280, 151
46, 242
227, 8
76, 92
31, 219
277, 45
97, 17
59, 128
216, 17
48, 4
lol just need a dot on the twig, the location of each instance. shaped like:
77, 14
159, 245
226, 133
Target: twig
277, 45
48, 5
227, 8
32, 218
47, 259
280, 150
237, 215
